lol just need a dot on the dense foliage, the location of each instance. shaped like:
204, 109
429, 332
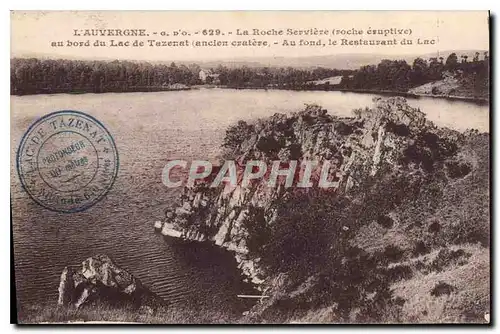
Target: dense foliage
34, 76
288, 77
398, 75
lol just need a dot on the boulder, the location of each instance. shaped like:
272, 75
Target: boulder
101, 281
158, 224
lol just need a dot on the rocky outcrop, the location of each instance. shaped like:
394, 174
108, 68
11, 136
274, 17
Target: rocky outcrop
100, 280
390, 135
445, 87
458, 86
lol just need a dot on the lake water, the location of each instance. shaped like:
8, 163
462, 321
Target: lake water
149, 129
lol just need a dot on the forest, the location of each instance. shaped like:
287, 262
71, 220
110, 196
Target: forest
398, 75
35, 76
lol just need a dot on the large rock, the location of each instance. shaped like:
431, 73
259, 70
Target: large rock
101, 281
389, 136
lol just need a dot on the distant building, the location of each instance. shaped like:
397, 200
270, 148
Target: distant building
333, 81
207, 76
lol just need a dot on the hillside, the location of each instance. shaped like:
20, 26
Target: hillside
464, 85
404, 237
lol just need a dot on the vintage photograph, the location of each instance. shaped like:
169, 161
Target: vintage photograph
250, 167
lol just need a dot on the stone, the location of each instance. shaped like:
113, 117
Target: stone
101, 281
169, 230
220, 237
66, 287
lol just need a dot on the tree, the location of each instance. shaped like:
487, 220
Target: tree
419, 74
451, 62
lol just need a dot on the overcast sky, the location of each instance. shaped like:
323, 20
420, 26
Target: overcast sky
33, 32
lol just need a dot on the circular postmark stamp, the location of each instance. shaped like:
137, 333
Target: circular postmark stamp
67, 161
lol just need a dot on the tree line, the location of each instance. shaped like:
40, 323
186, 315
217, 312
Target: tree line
35, 76
388, 75
274, 77
398, 75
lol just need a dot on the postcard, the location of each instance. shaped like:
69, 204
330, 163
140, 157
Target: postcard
250, 167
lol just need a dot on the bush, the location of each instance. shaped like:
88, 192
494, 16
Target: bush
307, 231
446, 257
442, 288
393, 253
385, 221
457, 169
258, 231
399, 272
435, 227
269, 145
236, 135
420, 248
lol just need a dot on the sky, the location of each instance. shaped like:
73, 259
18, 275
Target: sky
32, 33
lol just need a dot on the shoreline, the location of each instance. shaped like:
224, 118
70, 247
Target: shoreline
477, 100
416, 96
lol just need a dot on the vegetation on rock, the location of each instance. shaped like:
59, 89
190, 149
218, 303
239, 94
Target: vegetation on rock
409, 189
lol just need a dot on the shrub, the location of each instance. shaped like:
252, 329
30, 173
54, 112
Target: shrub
258, 230
236, 134
268, 145
308, 229
393, 253
457, 169
343, 128
434, 227
399, 272
385, 221
398, 129
445, 257
442, 288
420, 248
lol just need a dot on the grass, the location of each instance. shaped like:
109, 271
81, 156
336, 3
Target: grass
102, 313
468, 302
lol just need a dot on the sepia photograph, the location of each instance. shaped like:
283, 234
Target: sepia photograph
250, 167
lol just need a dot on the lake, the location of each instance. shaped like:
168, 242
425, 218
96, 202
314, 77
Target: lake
149, 129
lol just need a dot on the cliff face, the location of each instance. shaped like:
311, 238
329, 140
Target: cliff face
382, 137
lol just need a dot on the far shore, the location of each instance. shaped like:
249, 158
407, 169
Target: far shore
478, 100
